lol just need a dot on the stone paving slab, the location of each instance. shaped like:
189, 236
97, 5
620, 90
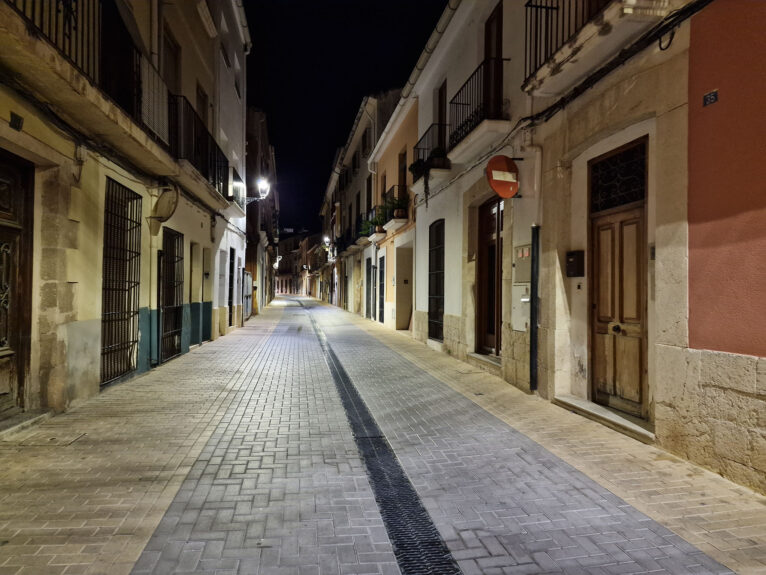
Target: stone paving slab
253, 476
502, 502
280, 487
725, 520
83, 492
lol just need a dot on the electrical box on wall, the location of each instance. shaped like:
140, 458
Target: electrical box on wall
522, 263
575, 264
520, 306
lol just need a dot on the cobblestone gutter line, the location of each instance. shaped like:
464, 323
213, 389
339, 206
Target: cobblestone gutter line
502, 502
83, 492
416, 542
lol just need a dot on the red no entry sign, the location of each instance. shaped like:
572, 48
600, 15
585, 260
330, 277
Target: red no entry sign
503, 176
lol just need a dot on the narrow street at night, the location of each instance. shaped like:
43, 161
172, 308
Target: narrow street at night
247, 456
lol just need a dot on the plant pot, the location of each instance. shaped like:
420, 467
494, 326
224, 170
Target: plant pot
400, 213
379, 230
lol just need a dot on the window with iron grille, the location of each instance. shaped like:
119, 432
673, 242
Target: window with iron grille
171, 287
618, 178
120, 290
436, 281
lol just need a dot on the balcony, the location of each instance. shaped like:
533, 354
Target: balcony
566, 40
362, 229
80, 59
377, 217
431, 158
396, 203
476, 111
190, 141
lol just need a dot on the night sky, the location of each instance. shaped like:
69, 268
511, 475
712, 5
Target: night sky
311, 64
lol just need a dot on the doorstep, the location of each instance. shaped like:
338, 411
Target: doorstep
20, 422
489, 363
605, 416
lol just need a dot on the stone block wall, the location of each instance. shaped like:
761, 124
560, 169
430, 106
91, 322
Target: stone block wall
710, 408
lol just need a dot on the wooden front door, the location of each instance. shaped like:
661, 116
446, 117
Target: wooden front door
489, 277
618, 278
618, 312
15, 281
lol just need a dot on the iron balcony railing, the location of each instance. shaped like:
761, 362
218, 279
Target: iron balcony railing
552, 23
431, 150
91, 35
395, 199
479, 99
190, 140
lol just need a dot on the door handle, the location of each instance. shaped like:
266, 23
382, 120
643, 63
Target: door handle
616, 328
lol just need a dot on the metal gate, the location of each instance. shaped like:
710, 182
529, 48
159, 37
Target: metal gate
120, 289
171, 285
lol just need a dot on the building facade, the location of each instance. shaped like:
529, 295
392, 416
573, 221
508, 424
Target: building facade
262, 211
392, 223
352, 202
616, 278
121, 162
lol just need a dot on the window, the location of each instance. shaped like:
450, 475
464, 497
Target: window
619, 177
121, 271
225, 56
366, 142
171, 62
436, 281
202, 103
355, 162
369, 193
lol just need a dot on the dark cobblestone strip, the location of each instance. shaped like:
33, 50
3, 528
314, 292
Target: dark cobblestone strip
418, 547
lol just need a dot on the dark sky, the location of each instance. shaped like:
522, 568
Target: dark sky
311, 64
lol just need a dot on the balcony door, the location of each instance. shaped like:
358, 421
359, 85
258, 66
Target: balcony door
489, 277
493, 63
441, 117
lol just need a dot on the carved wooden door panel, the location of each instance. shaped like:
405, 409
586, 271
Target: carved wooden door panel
15, 280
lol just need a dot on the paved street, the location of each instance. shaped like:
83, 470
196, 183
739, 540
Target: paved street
250, 455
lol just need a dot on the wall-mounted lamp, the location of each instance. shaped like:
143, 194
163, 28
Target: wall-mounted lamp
264, 187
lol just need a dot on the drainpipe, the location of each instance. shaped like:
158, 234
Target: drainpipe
534, 299
534, 303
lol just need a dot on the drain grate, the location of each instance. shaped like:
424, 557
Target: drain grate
418, 547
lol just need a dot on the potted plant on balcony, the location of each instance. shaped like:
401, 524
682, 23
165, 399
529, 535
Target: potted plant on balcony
367, 228
378, 221
398, 207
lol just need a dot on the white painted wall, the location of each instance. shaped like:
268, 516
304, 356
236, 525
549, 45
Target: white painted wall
447, 205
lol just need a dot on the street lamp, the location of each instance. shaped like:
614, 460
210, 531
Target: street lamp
263, 187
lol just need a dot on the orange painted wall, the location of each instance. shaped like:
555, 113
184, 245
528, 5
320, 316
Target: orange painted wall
727, 178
